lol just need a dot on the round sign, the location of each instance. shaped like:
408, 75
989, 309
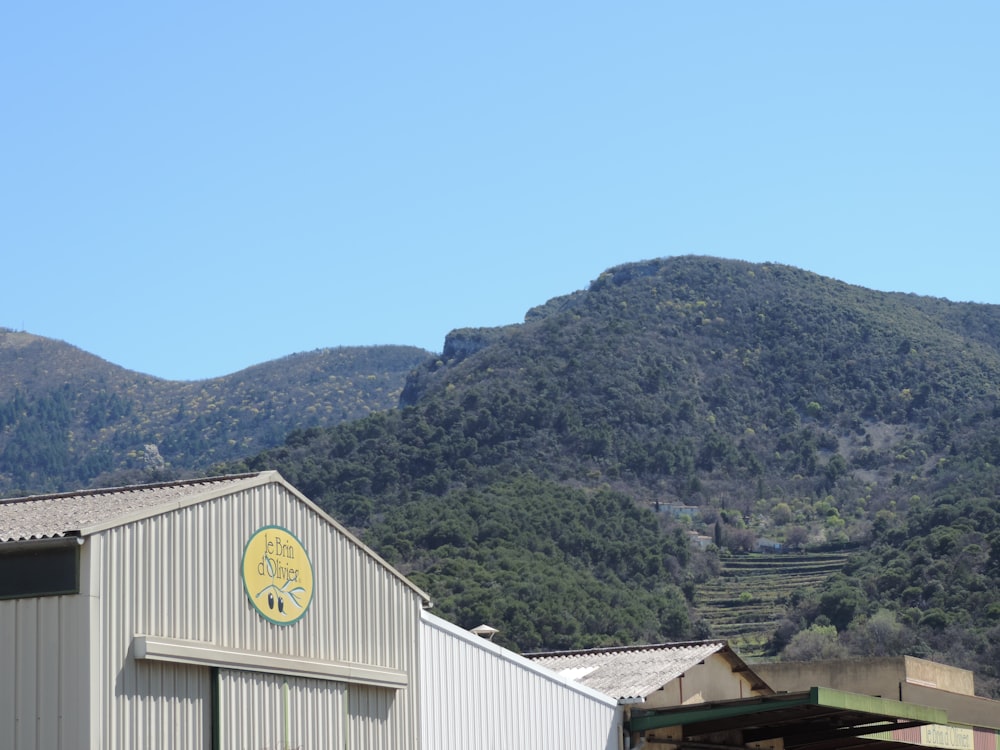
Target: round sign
277, 575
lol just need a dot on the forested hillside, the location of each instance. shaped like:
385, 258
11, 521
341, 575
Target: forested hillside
521, 480
602, 473
69, 419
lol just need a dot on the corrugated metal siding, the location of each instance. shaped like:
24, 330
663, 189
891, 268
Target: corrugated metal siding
910, 735
283, 712
177, 575
985, 739
164, 706
43, 672
475, 694
374, 719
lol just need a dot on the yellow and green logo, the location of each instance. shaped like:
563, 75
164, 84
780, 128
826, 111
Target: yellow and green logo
277, 575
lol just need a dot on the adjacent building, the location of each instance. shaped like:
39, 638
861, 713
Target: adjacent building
973, 721
660, 675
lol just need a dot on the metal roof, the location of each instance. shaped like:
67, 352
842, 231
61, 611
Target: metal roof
634, 672
82, 512
85, 512
817, 719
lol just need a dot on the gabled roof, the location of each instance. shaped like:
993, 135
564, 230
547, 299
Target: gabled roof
632, 673
86, 512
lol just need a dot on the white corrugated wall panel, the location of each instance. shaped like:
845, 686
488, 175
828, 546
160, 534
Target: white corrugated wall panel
177, 575
43, 672
476, 694
284, 712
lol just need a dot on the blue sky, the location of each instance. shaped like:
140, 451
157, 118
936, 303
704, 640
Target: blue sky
187, 189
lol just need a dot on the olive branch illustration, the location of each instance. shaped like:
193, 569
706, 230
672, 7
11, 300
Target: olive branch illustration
293, 594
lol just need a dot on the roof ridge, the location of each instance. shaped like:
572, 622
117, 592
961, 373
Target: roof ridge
723, 643
130, 488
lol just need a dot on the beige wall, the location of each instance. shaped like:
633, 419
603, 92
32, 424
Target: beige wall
712, 680
962, 709
940, 676
881, 677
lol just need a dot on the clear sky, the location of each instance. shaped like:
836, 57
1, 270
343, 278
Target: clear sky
189, 188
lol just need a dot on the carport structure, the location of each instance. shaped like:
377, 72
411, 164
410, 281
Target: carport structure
816, 719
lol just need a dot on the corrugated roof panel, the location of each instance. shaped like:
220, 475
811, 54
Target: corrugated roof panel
629, 673
49, 516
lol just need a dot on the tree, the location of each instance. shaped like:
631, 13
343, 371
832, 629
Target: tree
796, 537
817, 642
879, 635
842, 601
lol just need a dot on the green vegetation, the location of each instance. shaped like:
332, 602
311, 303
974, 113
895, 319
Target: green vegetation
789, 409
558, 567
753, 592
755, 405
69, 419
926, 586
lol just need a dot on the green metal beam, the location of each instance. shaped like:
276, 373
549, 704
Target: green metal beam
869, 704
822, 698
680, 715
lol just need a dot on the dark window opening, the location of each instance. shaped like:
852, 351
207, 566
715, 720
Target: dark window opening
43, 570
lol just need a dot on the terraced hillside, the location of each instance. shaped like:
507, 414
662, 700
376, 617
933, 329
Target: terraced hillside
750, 596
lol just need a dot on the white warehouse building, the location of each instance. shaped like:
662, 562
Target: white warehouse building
475, 694
233, 612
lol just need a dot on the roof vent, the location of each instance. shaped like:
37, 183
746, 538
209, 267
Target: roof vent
485, 631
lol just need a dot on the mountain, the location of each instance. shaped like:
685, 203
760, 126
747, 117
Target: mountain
520, 481
696, 379
70, 419
603, 472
